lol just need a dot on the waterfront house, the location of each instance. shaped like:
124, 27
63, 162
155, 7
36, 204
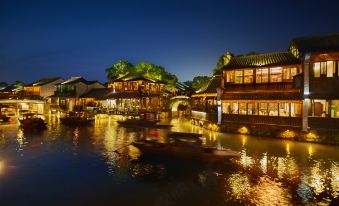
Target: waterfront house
320, 80
261, 90
67, 94
204, 103
42, 88
278, 93
135, 93
96, 99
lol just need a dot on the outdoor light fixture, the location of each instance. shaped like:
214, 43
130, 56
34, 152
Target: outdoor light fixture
243, 130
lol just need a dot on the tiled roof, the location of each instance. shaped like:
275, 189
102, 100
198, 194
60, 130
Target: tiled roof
74, 80
135, 77
44, 81
212, 85
260, 60
98, 93
329, 42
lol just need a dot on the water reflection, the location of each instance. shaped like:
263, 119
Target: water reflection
269, 172
2, 167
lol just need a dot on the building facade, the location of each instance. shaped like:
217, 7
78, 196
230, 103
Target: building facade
67, 94
271, 93
42, 88
135, 93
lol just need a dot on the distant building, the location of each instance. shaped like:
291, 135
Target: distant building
42, 88
67, 94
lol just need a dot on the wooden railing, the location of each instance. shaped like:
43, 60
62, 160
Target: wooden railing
260, 86
267, 120
323, 123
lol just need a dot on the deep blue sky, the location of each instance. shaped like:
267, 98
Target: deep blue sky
63, 38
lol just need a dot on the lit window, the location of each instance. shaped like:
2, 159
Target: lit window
263, 109
238, 76
242, 108
273, 109
295, 110
230, 76
335, 108
284, 109
276, 74
262, 76
250, 109
330, 68
234, 108
289, 73
248, 76
316, 69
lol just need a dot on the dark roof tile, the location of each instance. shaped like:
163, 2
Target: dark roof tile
261, 60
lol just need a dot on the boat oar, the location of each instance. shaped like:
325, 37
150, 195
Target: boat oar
117, 150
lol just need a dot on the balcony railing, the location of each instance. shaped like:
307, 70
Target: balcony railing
323, 123
260, 86
267, 120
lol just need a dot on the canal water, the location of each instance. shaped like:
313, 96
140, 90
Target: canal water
80, 166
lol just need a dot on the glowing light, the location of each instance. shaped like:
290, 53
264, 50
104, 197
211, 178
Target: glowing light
288, 134
243, 130
311, 136
2, 167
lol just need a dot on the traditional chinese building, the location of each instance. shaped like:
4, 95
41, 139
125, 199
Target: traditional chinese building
96, 99
261, 89
67, 94
42, 88
320, 80
204, 102
135, 93
279, 92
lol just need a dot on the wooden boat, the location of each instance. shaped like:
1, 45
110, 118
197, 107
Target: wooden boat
32, 121
142, 123
184, 135
76, 118
192, 151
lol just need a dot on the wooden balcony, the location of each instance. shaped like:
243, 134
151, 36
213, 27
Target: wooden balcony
280, 86
259, 120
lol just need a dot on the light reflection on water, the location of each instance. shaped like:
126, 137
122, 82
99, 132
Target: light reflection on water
269, 171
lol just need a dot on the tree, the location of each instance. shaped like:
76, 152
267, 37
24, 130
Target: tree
222, 61
122, 67
119, 68
198, 82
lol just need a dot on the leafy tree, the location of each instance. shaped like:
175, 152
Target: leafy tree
18, 84
198, 82
222, 61
122, 67
119, 68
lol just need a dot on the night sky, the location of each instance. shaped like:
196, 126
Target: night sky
82, 38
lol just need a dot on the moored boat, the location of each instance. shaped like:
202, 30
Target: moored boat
184, 150
32, 121
142, 123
